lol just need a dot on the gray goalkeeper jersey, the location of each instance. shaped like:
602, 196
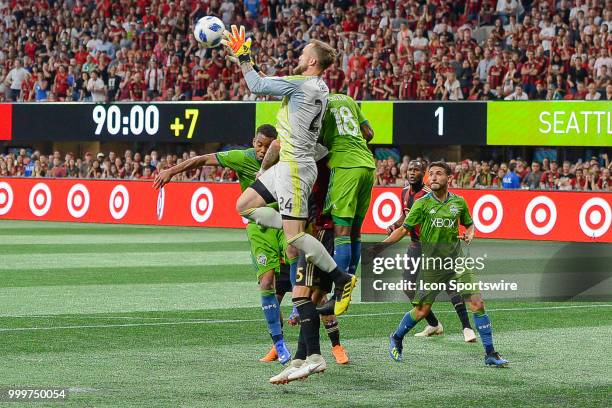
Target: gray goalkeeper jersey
299, 118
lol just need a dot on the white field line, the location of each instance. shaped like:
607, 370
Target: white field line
219, 321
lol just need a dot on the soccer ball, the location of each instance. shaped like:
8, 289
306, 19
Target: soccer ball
208, 31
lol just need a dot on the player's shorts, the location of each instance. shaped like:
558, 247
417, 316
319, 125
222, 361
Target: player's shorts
289, 184
413, 251
282, 282
308, 274
268, 246
349, 193
427, 294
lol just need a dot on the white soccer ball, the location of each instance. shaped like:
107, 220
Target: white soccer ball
208, 31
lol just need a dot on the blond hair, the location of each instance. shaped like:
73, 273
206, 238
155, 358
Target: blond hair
326, 55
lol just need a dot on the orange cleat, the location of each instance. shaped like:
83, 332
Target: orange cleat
340, 354
271, 356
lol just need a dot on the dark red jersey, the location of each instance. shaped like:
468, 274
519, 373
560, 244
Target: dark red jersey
409, 196
316, 203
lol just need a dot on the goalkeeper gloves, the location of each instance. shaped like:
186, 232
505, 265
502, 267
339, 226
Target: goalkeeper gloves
237, 43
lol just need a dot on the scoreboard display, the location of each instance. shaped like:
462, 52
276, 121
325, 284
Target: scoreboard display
526, 123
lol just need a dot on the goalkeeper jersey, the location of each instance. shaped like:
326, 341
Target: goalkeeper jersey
299, 118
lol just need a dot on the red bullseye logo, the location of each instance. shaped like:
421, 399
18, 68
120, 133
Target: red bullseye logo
6, 197
40, 199
595, 217
541, 215
202, 204
78, 200
488, 213
119, 202
386, 209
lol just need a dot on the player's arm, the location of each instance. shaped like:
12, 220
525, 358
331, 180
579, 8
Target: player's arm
165, 176
467, 222
364, 124
241, 49
271, 157
397, 235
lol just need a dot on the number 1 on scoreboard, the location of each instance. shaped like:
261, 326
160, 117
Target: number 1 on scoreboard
439, 113
193, 115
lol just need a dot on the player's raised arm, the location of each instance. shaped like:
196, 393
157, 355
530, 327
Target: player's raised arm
165, 176
241, 48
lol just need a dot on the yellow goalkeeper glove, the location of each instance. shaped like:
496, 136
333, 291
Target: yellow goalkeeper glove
236, 42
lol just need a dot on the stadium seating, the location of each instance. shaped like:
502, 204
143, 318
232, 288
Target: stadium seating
144, 50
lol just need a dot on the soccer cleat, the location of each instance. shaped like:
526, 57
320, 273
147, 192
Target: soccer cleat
282, 378
395, 348
271, 356
294, 317
431, 331
468, 335
339, 303
315, 363
284, 356
495, 360
340, 354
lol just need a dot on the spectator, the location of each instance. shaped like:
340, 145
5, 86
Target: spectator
511, 179
517, 95
95, 86
15, 79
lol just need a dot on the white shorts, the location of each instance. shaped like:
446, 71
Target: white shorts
290, 184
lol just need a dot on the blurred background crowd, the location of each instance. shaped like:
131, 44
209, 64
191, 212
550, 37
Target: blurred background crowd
592, 174
139, 50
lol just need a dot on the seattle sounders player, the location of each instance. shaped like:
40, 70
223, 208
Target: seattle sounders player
267, 245
345, 132
438, 214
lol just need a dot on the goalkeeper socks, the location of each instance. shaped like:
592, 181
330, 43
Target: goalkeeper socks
461, 310
271, 310
432, 320
408, 322
265, 216
483, 324
309, 324
300, 353
314, 250
355, 255
342, 251
333, 331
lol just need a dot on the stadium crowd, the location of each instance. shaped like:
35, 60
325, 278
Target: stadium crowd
591, 174
140, 50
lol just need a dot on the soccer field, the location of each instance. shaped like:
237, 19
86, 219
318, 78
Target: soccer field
166, 317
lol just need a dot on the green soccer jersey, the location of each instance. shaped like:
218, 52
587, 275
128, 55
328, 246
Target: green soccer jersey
341, 134
439, 223
243, 162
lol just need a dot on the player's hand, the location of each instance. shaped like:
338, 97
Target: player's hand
391, 228
162, 179
236, 42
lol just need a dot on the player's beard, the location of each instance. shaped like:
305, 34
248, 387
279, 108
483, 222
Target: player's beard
299, 70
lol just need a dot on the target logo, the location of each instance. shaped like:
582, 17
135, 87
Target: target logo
40, 199
488, 213
202, 204
161, 199
595, 217
6, 197
78, 200
386, 209
541, 215
119, 202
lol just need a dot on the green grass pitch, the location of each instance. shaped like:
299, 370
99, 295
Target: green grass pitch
169, 317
